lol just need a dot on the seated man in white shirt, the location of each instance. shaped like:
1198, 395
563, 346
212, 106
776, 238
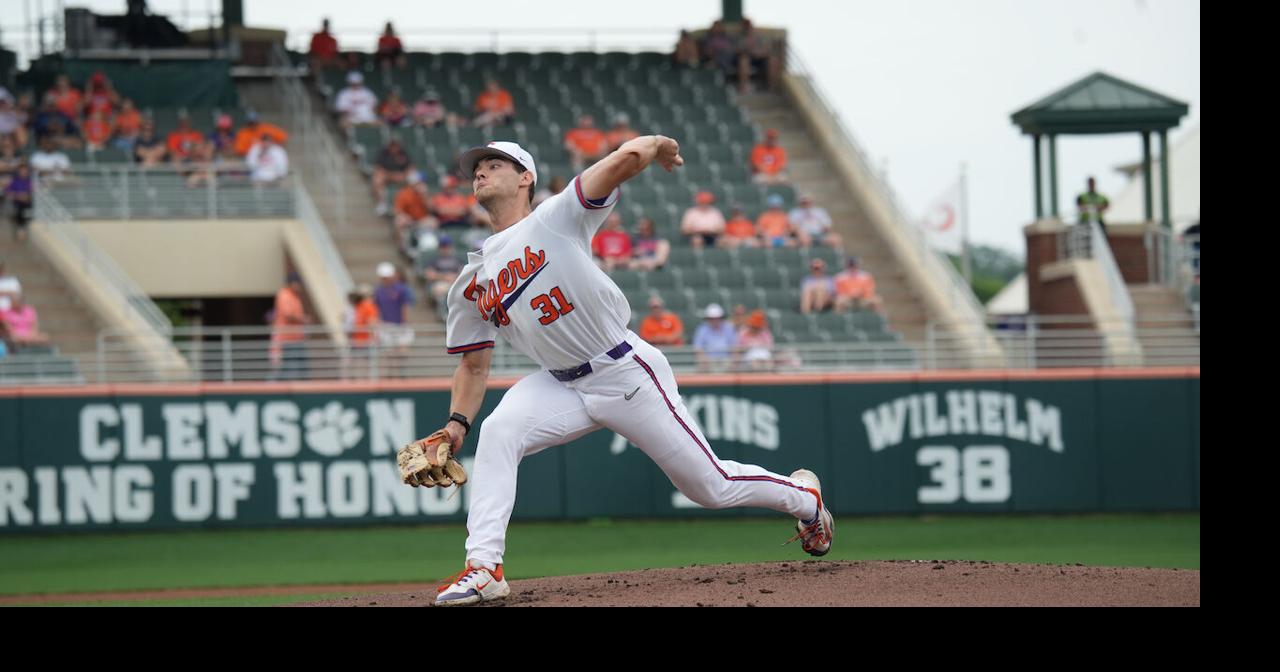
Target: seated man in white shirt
268, 162
358, 105
50, 163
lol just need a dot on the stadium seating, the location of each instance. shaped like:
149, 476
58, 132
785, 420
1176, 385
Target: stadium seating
696, 106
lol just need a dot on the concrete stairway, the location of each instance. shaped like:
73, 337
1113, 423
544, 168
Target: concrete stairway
70, 324
811, 174
1166, 328
364, 239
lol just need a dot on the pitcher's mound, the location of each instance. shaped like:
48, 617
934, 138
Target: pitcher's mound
950, 583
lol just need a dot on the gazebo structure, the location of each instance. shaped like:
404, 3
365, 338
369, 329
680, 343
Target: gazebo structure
1097, 105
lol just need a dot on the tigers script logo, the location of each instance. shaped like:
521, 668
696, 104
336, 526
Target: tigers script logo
500, 294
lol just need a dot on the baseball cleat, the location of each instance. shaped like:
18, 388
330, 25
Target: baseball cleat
815, 535
473, 584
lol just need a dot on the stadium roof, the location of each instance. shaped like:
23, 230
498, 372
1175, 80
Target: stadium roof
1100, 104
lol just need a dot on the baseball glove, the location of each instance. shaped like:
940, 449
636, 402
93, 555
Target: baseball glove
430, 462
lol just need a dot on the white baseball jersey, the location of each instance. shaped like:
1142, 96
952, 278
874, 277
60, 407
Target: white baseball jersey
536, 285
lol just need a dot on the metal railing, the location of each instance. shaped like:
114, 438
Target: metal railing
131, 191
1181, 271
240, 354
325, 162
97, 264
310, 218
958, 292
1055, 341
1087, 241
486, 39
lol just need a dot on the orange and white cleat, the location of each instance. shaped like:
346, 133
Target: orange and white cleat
474, 584
815, 535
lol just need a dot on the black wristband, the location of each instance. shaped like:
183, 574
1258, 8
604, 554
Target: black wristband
461, 420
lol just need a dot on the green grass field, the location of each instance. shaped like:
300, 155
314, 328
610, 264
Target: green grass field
100, 562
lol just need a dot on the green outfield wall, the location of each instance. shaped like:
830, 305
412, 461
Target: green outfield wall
114, 458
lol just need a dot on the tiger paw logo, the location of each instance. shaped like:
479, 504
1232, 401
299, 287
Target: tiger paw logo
332, 429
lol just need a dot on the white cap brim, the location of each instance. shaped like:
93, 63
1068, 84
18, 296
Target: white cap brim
467, 162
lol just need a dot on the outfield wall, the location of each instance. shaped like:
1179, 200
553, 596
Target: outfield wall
118, 457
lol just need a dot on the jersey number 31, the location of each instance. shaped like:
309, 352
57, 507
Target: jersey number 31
552, 306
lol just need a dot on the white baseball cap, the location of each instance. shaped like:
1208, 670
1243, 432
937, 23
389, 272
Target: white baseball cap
714, 311
507, 150
386, 270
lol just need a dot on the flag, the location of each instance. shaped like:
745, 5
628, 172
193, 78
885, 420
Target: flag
941, 222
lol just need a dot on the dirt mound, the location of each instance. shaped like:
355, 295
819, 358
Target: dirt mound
841, 584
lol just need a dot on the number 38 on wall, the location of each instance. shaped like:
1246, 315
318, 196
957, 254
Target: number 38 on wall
976, 474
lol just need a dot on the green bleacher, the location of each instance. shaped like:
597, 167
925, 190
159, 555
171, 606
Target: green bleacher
695, 106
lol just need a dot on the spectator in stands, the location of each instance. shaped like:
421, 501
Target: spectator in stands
661, 326
50, 122
555, 186
755, 57
12, 125
10, 158
817, 289
100, 96
718, 48
774, 225
360, 321
20, 194
585, 144
739, 231
390, 50
203, 160
324, 49
612, 245
288, 335
621, 131
755, 343
149, 149
1091, 205
714, 340
23, 324
855, 288
182, 141
703, 223
356, 103
451, 208
649, 251
50, 163
394, 112
10, 288
223, 138
268, 163
430, 112
768, 160
97, 131
392, 166
65, 97
410, 212
811, 224
393, 298
442, 270
686, 53
255, 129
494, 106
127, 126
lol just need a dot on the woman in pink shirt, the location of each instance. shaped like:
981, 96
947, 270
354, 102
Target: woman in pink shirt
23, 323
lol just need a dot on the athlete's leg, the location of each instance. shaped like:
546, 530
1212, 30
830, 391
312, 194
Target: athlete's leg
536, 413
656, 421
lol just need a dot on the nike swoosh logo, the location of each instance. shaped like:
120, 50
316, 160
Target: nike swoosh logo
482, 587
633, 393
